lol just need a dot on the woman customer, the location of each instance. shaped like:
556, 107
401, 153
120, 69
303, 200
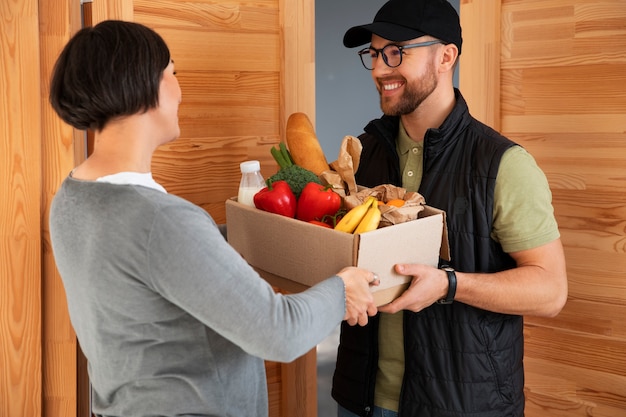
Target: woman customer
171, 319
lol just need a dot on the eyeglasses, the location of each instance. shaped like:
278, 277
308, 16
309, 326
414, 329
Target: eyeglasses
392, 54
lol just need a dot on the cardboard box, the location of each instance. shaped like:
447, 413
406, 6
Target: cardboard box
293, 255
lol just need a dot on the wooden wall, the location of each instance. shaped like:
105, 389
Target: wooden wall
552, 75
20, 207
243, 67
549, 73
228, 64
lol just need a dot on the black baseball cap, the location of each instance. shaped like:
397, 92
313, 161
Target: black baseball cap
402, 20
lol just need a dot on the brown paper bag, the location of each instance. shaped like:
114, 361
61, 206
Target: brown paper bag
413, 203
344, 183
342, 174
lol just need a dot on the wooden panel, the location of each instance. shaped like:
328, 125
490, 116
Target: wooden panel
561, 33
591, 352
243, 67
565, 391
60, 348
111, 9
299, 390
297, 25
480, 21
235, 103
20, 210
563, 98
565, 158
218, 17
561, 80
274, 387
540, 90
224, 51
228, 64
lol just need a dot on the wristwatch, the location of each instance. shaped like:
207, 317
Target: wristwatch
451, 285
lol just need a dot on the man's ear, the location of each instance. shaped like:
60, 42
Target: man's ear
449, 56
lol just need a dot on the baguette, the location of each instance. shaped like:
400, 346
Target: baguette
303, 144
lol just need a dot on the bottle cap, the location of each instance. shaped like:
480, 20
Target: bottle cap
250, 166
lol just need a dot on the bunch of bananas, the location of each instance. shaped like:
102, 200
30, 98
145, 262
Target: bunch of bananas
362, 218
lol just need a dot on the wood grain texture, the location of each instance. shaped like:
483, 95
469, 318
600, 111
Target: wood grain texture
58, 153
111, 9
20, 211
228, 64
556, 77
481, 49
297, 58
562, 97
299, 388
274, 387
243, 68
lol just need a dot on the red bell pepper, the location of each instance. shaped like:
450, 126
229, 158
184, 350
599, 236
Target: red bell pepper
276, 198
317, 201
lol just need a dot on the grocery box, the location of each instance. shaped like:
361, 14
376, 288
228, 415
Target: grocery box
293, 255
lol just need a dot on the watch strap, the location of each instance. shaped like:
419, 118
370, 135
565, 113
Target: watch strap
451, 286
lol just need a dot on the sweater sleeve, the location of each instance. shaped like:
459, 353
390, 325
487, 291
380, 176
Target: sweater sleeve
193, 266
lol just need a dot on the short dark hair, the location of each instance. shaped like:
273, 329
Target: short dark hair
110, 70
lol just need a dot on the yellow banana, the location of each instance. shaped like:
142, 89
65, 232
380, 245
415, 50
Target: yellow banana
351, 220
371, 219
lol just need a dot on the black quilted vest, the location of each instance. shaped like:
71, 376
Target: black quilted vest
460, 361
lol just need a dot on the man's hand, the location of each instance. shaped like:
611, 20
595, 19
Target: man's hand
537, 286
428, 285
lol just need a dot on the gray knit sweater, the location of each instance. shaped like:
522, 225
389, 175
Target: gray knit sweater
172, 320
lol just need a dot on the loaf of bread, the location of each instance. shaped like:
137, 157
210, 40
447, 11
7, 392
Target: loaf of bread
303, 144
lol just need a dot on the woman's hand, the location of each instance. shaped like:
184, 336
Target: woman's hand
359, 298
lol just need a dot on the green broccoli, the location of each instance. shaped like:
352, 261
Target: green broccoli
296, 176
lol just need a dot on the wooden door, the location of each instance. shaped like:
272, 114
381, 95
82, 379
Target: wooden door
548, 73
551, 74
243, 67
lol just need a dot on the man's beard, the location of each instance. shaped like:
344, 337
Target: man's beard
412, 97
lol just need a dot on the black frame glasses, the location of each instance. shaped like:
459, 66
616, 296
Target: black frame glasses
391, 52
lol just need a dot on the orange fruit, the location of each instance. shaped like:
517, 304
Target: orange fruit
396, 202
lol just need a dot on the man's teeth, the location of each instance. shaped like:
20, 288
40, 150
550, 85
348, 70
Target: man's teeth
393, 86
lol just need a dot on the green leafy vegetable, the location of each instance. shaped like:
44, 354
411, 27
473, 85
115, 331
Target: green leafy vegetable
296, 176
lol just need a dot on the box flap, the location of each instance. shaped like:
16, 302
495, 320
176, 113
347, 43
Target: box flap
397, 239
444, 252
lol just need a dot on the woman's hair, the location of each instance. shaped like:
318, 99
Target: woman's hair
110, 70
